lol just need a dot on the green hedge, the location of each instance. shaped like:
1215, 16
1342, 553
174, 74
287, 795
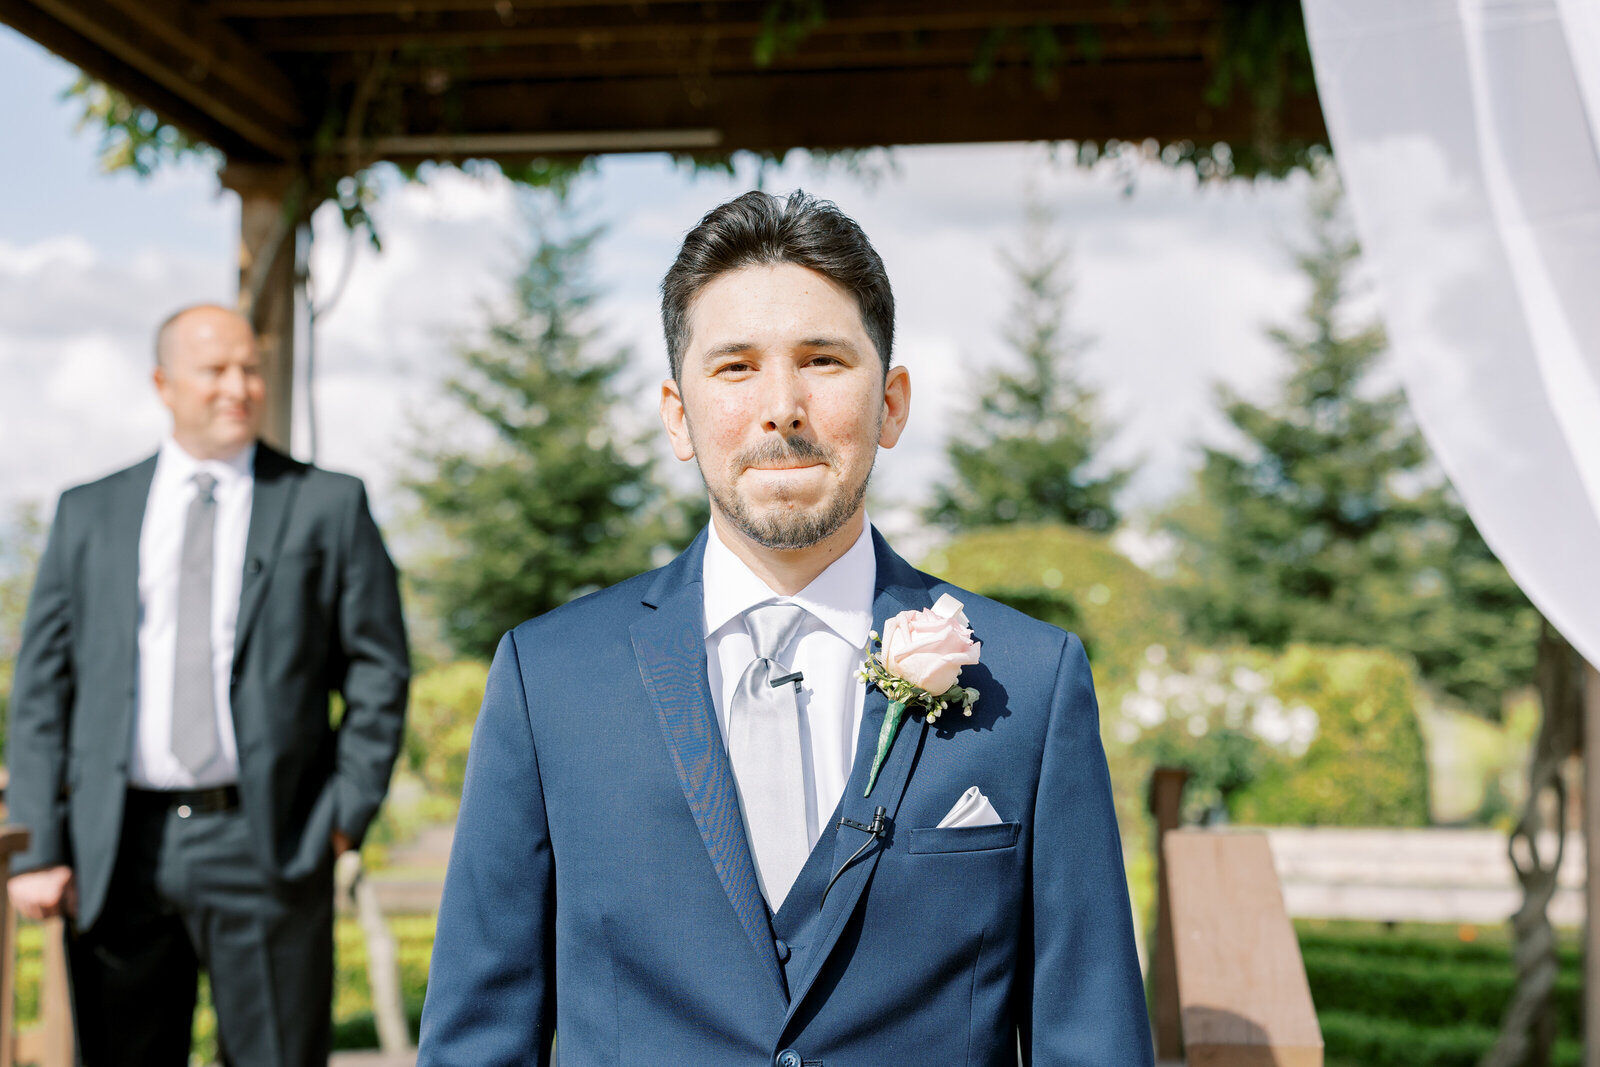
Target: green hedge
1428, 992
1421, 943
1360, 1041
1419, 996
1367, 766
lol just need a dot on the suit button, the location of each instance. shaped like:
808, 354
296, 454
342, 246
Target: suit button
788, 1058
184, 812
783, 950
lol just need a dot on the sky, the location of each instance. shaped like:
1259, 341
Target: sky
1175, 281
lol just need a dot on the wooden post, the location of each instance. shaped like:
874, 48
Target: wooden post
383, 955
1591, 838
53, 1043
270, 205
1244, 996
13, 839
1166, 804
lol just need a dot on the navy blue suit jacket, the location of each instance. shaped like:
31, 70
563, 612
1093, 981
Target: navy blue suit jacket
600, 886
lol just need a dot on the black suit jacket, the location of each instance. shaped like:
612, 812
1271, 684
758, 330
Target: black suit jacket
319, 612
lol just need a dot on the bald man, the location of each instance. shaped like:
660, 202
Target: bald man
170, 744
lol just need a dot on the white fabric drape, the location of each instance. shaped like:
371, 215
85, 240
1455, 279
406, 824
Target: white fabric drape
1466, 133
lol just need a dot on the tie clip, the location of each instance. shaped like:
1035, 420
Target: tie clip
796, 678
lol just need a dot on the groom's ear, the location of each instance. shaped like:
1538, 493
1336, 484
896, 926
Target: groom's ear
676, 420
896, 406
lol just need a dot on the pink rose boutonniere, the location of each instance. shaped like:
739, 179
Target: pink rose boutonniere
922, 653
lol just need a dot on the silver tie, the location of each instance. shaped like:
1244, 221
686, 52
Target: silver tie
764, 747
194, 703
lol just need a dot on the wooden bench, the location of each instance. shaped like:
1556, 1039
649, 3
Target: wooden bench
1243, 999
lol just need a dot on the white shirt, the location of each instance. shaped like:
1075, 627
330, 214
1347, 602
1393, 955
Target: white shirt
153, 766
829, 651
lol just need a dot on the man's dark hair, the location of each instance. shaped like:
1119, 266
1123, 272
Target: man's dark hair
758, 229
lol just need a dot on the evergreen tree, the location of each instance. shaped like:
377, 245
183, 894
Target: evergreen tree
561, 500
1472, 630
1028, 451
1330, 524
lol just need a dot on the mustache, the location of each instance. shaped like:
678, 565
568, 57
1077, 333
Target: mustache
782, 450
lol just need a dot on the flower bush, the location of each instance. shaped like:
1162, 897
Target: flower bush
1312, 736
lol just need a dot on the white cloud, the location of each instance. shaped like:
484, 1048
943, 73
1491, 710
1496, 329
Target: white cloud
75, 330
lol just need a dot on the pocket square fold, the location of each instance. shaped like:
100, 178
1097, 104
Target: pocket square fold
973, 809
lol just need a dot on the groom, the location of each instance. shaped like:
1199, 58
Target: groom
666, 851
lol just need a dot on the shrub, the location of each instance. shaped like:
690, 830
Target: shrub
1314, 736
444, 707
1069, 577
1214, 715
1366, 765
1429, 992
1352, 1040
1418, 995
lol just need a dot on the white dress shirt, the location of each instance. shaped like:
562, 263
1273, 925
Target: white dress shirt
153, 766
829, 651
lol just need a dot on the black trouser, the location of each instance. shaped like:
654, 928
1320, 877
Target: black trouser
187, 893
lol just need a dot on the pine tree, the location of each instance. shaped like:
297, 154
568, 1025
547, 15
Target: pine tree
561, 500
1473, 632
1310, 526
1330, 524
1030, 450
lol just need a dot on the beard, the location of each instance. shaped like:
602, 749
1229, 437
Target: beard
785, 529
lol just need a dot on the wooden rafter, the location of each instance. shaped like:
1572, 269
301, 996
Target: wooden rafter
721, 56
174, 60
862, 108
482, 27
1022, 12
418, 79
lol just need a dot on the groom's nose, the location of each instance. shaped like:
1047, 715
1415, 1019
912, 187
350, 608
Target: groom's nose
783, 401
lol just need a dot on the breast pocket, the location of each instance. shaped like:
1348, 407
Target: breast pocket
932, 839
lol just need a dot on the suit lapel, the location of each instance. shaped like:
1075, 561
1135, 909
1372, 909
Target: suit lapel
127, 521
899, 588
670, 646
276, 480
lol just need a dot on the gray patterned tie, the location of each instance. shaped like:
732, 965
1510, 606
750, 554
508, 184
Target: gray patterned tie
194, 703
764, 744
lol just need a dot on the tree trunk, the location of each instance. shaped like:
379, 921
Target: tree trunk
1527, 1031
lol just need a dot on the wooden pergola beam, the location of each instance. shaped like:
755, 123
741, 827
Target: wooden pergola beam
26, 18
215, 50
728, 57
1023, 12
194, 72
482, 27
852, 109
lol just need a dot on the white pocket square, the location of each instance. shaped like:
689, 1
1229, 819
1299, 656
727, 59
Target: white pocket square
973, 809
